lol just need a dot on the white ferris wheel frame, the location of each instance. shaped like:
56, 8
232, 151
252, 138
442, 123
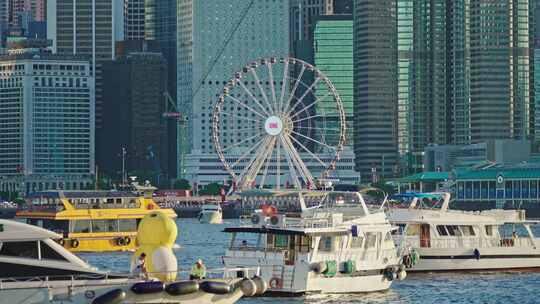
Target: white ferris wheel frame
276, 110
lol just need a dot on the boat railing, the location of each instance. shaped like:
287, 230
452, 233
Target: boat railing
465, 242
46, 281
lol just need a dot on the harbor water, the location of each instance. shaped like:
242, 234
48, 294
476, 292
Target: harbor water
208, 242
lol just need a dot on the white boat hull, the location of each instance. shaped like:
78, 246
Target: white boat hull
213, 217
490, 259
359, 284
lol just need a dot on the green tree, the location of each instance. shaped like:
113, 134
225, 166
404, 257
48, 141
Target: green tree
211, 189
182, 184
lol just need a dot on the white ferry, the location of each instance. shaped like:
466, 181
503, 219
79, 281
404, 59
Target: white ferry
433, 238
211, 214
336, 247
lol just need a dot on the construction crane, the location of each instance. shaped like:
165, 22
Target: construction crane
172, 113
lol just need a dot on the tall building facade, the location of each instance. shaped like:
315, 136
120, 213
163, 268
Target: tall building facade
88, 28
432, 75
333, 40
133, 114
47, 118
375, 89
501, 83
134, 15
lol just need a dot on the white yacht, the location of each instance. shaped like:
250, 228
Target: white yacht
34, 269
211, 214
433, 238
338, 246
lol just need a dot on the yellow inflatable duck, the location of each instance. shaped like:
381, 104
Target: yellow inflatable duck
156, 236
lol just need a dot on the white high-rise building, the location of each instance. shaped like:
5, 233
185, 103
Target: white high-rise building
215, 40
46, 123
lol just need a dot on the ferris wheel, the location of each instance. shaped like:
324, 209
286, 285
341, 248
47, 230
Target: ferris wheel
272, 119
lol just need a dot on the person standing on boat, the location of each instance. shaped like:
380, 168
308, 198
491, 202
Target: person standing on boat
198, 271
140, 269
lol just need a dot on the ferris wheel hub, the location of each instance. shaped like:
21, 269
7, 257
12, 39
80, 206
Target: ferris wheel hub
273, 125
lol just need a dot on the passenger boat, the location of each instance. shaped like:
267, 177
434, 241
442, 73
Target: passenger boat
93, 221
211, 214
432, 237
338, 246
35, 269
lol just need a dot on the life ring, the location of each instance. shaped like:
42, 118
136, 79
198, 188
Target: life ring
275, 283
127, 240
74, 243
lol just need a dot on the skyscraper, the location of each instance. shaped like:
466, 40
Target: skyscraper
500, 65
209, 52
375, 90
134, 15
431, 77
133, 109
47, 122
90, 28
334, 57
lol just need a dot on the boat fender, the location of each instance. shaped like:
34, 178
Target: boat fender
274, 220
275, 283
248, 287
402, 274
115, 296
261, 285
120, 241
182, 288
127, 240
74, 243
476, 254
147, 287
215, 287
318, 267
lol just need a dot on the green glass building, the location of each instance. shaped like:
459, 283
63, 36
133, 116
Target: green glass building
501, 73
333, 45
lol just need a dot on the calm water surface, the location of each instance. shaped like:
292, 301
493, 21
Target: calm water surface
208, 242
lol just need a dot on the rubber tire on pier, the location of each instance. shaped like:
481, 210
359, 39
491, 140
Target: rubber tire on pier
61, 242
74, 243
182, 288
215, 287
120, 241
147, 287
255, 219
127, 240
115, 296
318, 267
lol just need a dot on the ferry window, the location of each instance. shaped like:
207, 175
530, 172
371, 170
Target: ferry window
489, 230
58, 226
442, 230
325, 244
20, 249
270, 240
104, 226
81, 226
305, 243
281, 241
127, 225
467, 230
453, 230
357, 242
50, 254
371, 240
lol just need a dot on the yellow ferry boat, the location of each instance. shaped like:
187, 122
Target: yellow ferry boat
94, 221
